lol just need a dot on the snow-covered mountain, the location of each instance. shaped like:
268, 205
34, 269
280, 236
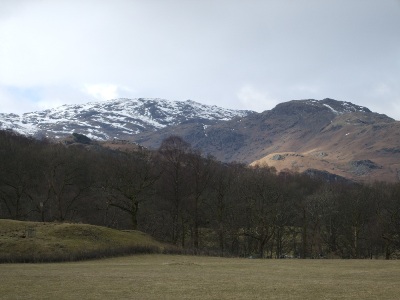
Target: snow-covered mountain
118, 118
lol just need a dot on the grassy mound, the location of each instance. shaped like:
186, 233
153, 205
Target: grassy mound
55, 242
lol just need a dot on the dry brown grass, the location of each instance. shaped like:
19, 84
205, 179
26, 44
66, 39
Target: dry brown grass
353, 140
187, 277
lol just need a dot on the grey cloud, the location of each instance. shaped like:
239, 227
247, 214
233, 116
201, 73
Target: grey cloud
229, 53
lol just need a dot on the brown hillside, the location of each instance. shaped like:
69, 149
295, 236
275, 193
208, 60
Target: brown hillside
364, 147
334, 136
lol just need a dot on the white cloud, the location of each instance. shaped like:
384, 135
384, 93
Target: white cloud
107, 91
11, 102
306, 89
382, 89
255, 99
385, 92
396, 109
101, 91
50, 103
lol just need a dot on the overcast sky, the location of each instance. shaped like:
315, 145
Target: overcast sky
245, 54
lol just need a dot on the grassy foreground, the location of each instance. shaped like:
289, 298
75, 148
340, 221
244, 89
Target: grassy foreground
49, 242
188, 277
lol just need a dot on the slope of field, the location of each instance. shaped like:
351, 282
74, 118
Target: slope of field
48, 242
190, 277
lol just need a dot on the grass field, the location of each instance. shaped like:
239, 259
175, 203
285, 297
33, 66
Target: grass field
156, 276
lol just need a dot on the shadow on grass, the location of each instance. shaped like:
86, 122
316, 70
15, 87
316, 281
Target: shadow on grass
78, 256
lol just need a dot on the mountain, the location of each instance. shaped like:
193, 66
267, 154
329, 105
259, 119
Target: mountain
314, 136
333, 136
358, 145
115, 119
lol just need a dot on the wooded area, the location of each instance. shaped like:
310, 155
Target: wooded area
204, 206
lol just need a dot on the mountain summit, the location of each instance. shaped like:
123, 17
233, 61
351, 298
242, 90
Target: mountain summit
118, 118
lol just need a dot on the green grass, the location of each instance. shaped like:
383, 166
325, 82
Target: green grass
193, 277
159, 276
47, 242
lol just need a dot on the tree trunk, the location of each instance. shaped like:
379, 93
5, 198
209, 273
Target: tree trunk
134, 212
304, 235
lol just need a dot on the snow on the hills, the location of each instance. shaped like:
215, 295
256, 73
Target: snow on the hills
338, 107
129, 116
334, 111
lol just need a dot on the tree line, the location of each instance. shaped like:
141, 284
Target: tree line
200, 204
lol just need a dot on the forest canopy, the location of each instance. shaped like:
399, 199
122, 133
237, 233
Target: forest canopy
182, 197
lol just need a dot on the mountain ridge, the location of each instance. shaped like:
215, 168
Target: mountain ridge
330, 135
116, 118
333, 136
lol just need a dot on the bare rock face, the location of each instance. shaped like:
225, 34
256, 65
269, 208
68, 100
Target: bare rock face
362, 167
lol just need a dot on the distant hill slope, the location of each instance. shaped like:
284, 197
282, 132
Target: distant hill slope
357, 146
334, 136
328, 135
115, 119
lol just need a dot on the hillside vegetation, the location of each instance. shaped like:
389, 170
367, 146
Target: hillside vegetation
180, 197
49, 242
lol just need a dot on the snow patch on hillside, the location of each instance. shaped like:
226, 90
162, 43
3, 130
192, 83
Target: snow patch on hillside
334, 111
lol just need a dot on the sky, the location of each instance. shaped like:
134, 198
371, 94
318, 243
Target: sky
241, 54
